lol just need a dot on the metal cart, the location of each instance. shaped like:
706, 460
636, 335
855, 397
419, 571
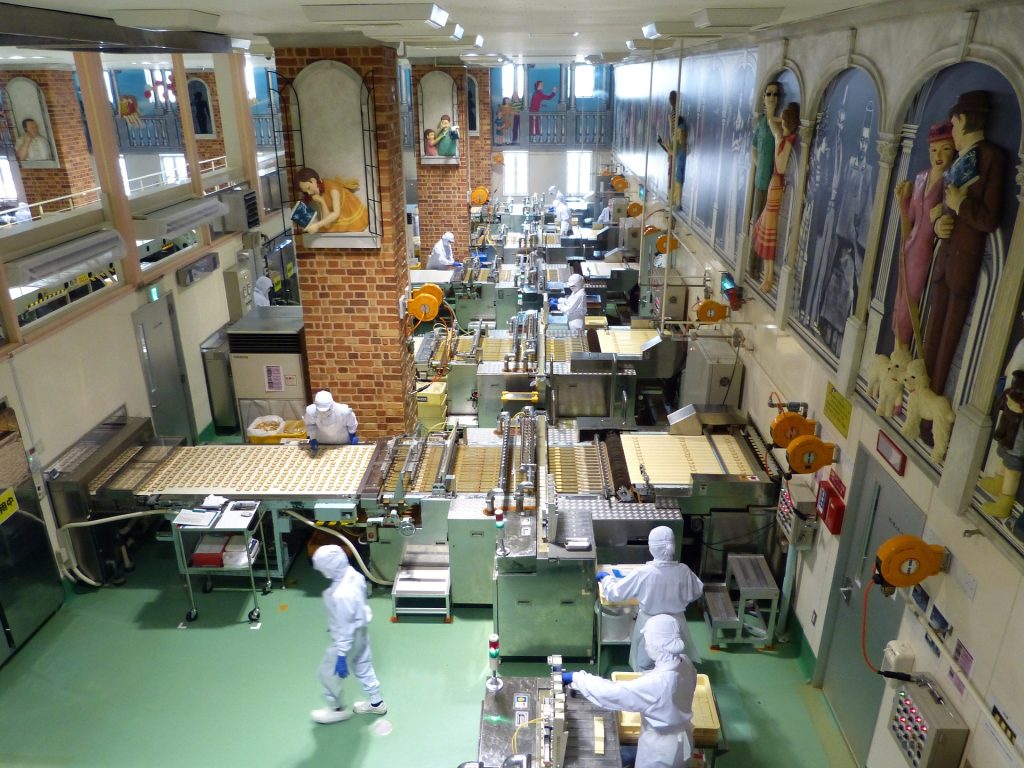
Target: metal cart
237, 517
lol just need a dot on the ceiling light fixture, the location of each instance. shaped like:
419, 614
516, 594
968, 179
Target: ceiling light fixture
165, 19
457, 32
744, 18
662, 30
432, 15
478, 42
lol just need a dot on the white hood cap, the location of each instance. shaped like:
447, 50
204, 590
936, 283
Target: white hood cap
331, 561
662, 543
661, 637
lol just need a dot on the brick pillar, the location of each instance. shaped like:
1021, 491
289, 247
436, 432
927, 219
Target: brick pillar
443, 189
76, 171
354, 336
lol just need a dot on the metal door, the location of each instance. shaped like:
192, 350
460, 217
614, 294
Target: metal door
170, 403
878, 510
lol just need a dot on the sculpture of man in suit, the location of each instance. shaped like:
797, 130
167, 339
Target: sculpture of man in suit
974, 197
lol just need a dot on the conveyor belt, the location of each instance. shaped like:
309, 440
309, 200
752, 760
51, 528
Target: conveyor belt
494, 350
674, 459
729, 450
560, 349
629, 342
477, 468
576, 469
259, 470
111, 469
426, 471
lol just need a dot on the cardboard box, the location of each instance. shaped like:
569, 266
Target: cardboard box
706, 725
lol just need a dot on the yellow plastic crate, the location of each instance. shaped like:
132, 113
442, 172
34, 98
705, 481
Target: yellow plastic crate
706, 725
435, 394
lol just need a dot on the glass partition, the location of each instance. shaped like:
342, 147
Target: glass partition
45, 153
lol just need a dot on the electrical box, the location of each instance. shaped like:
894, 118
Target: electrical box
797, 521
928, 731
713, 374
238, 283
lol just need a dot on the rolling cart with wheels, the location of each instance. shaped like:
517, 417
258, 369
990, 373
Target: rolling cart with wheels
236, 518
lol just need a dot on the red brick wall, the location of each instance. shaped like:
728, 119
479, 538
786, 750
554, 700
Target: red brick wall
354, 336
76, 171
443, 189
210, 148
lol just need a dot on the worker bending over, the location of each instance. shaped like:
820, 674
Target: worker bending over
441, 256
661, 586
663, 697
347, 618
330, 423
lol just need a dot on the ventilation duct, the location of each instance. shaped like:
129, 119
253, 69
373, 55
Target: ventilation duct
175, 220
67, 261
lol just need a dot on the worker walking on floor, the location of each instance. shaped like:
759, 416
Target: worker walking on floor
349, 651
663, 697
661, 585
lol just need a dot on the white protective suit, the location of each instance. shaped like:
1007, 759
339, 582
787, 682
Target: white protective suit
441, 256
662, 696
606, 215
563, 216
332, 425
575, 304
661, 585
261, 291
347, 618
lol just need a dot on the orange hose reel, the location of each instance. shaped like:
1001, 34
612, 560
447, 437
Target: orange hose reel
808, 453
790, 425
620, 183
710, 311
425, 302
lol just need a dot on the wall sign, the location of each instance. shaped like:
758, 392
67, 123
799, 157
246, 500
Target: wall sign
893, 456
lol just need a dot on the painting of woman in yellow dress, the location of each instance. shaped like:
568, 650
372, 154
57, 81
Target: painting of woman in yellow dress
338, 207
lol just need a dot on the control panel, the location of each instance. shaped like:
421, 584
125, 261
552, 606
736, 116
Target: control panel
928, 731
797, 520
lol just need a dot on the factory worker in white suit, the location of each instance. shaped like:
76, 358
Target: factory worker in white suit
663, 697
261, 291
563, 216
441, 256
329, 422
349, 651
661, 586
575, 304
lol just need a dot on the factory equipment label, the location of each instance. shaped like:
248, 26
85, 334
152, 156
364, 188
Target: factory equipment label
838, 410
273, 378
8, 504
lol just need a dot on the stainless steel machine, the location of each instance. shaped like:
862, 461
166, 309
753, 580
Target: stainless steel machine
94, 478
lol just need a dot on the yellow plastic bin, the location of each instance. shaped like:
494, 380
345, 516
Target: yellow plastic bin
293, 429
706, 725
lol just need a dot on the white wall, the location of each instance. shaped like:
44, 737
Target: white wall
982, 595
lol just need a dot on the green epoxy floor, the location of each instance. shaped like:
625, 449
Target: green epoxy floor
111, 680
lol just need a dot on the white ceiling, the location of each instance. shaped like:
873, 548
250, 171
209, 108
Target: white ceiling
531, 30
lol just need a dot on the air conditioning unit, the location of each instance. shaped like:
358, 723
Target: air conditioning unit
64, 262
175, 220
243, 209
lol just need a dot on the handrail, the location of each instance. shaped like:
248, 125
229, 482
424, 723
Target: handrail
70, 202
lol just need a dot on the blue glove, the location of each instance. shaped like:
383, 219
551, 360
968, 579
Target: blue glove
353, 438
566, 678
617, 573
602, 575
341, 667
314, 446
